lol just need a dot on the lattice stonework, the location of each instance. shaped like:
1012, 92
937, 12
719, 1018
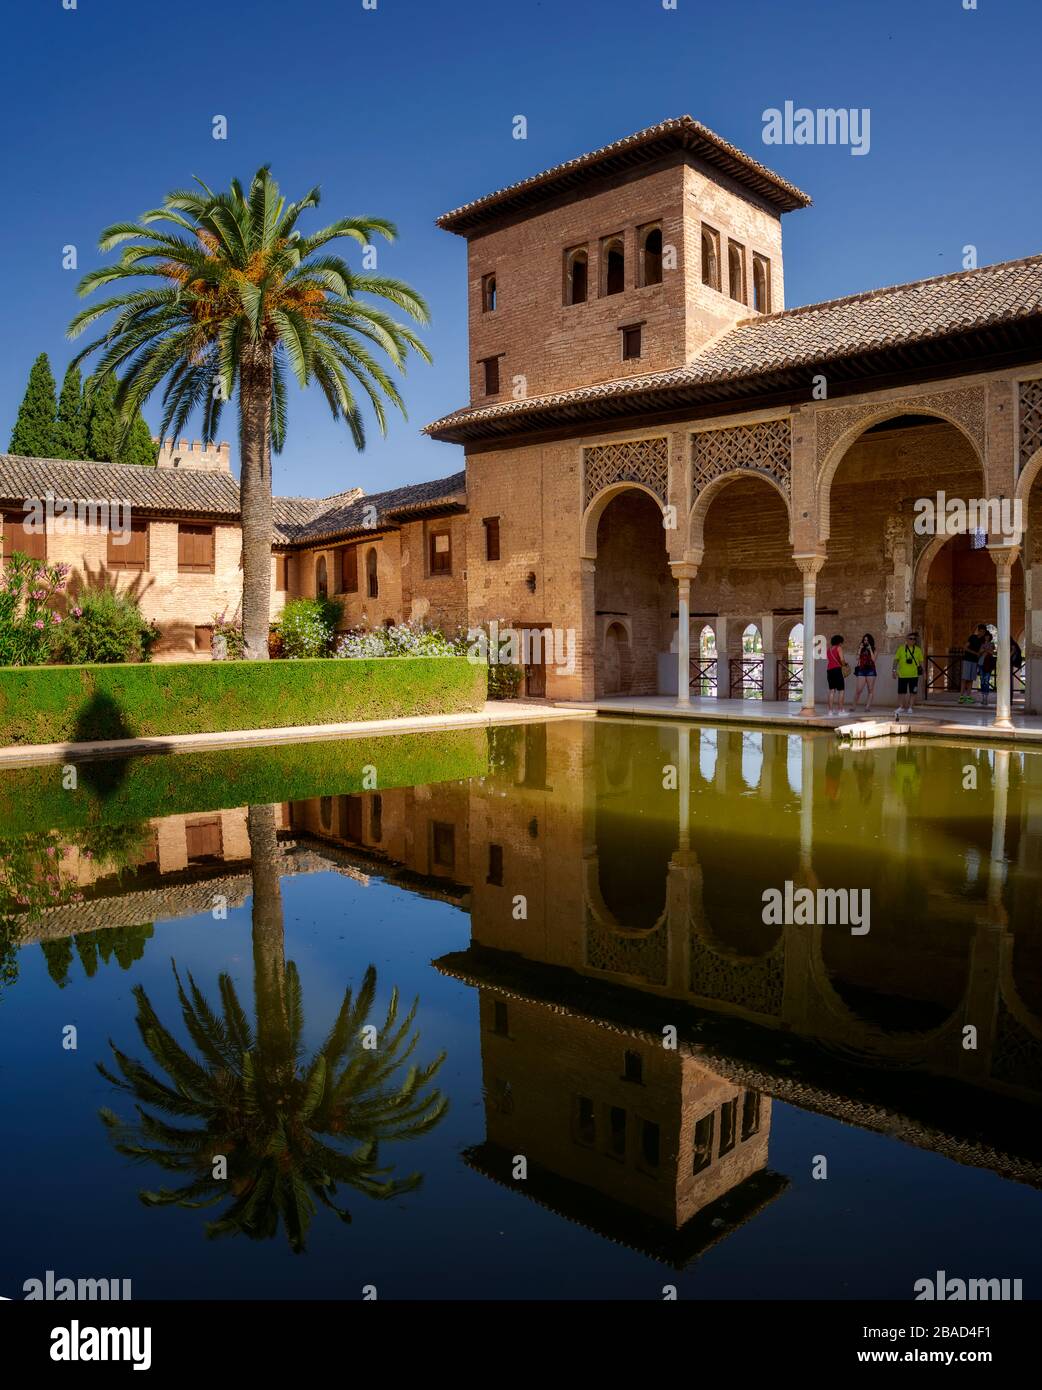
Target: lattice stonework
765, 448
1030, 419
637, 461
965, 406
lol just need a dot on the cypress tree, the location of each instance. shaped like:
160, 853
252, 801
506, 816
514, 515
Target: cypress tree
70, 436
33, 433
103, 430
102, 421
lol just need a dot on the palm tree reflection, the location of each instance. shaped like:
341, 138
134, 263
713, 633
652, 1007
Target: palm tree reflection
290, 1129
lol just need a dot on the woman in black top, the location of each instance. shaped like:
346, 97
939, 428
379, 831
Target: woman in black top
865, 671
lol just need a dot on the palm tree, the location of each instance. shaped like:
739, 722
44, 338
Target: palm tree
289, 1130
238, 295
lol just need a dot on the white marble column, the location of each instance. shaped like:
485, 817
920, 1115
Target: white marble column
809, 565
684, 572
1004, 556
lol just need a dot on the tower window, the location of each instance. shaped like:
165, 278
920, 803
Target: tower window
728, 1117
651, 256
576, 270
633, 1067
584, 1120
500, 1020
649, 1143
631, 342
703, 1155
761, 285
736, 271
617, 1132
750, 1114
710, 258
613, 266
491, 369
488, 294
491, 525
372, 579
495, 866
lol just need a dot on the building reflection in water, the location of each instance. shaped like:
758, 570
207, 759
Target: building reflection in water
614, 874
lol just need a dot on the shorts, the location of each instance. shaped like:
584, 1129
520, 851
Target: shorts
834, 676
864, 670
969, 670
907, 685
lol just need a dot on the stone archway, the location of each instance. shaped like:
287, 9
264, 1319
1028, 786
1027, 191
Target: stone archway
633, 590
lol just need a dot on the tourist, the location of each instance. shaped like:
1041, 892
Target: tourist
865, 671
836, 672
971, 662
1016, 661
988, 662
908, 667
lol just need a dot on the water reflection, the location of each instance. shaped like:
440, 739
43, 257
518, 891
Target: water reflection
272, 1131
637, 1016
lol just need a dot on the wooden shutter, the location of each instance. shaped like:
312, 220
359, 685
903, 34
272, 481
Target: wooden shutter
133, 554
491, 524
281, 573
195, 549
349, 570
203, 839
441, 552
18, 538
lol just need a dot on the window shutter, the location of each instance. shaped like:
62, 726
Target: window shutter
349, 570
18, 538
133, 554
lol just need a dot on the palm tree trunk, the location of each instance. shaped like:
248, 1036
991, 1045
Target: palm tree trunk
269, 944
255, 496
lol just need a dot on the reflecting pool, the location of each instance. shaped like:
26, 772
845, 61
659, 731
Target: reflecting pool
566, 1010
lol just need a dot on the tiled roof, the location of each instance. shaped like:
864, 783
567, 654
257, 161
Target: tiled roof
175, 491
900, 315
679, 133
355, 517
196, 492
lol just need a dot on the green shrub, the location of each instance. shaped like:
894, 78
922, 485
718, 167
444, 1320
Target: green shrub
104, 627
162, 784
55, 704
504, 681
231, 634
307, 627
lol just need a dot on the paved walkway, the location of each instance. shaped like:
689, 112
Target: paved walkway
931, 719
494, 712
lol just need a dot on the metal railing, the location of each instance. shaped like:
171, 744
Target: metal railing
789, 679
704, 675
746, 677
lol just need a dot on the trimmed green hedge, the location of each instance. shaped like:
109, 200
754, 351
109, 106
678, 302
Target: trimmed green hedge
120, 791
75, 704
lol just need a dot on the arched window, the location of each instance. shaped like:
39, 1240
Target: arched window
752, 642
761, 285
488, 294
372, 582
651, 257
613, 262
575, 276
735, 272
321, 577
710, 258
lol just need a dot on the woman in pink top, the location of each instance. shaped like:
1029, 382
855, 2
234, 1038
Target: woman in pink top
837, 681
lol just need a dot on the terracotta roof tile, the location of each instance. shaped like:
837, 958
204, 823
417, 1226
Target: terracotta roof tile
815, 333
680, 132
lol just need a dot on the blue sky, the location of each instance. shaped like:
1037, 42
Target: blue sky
407, 111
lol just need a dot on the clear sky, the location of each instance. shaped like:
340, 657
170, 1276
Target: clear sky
406, 111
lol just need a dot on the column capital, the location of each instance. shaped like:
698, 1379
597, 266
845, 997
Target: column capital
810, 563
684, 569
1004, 555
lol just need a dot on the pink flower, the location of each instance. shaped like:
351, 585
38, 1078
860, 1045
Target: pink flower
50, 851
39, 593
77, 612
39, 624
56, 617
